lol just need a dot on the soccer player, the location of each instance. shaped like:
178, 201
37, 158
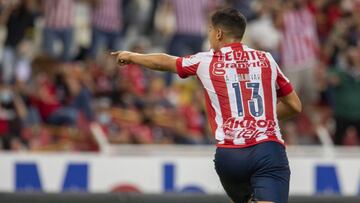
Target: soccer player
246, 93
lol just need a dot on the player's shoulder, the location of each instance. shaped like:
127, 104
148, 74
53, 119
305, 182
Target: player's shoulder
267, 54
200, 56
209, 53
263, 55
246, 48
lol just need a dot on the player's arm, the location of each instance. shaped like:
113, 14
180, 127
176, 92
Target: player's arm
288, 106
157, 61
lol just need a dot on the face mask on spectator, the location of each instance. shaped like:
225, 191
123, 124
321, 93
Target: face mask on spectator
6, 96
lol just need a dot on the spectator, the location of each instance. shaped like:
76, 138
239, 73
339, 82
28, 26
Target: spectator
149, 29
343, 34
106, 25
44, 98
12, 114
59, 18
194, 120
346, 82
60, 96
18, 17
263, 24
299, 48
72, 90
191, 16
245, 7
299, 58
327, 14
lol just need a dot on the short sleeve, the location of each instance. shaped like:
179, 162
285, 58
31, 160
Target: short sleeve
188, 65
282, 83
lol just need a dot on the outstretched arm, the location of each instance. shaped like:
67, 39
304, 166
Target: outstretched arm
160, 62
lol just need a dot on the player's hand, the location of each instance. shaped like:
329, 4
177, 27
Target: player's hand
122, 57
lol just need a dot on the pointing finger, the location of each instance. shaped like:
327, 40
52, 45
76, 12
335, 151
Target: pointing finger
115, 53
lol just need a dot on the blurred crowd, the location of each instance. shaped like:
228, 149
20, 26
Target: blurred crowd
58, 80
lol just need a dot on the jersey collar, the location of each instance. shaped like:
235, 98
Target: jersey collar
234, 45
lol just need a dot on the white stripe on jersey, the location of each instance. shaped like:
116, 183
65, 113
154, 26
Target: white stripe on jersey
204, 76
274, 72
230, 78
252, 71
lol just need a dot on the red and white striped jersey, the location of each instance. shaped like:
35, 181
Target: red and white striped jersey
107, 15
241, 89
299, 44
191, 16
59, 14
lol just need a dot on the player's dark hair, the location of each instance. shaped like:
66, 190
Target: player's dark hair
231, 21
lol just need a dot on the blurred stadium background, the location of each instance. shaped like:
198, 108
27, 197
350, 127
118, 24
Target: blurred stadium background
76, 128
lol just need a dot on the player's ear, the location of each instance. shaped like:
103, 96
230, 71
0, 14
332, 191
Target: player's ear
219, 34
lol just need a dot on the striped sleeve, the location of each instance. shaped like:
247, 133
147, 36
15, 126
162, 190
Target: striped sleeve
188, 65
282, 83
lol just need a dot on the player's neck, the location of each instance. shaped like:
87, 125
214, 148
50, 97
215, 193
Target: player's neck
227, 41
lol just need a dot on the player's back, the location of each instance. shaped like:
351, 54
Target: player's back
241, 87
